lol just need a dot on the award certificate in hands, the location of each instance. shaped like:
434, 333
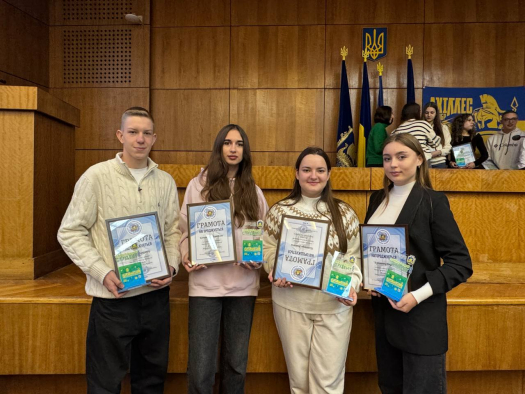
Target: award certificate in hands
300, 253
379, 244
138, 249
211, 236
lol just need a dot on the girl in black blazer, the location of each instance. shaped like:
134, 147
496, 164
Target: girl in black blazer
411, 335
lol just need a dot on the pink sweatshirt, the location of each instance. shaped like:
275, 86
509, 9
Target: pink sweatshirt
223, 280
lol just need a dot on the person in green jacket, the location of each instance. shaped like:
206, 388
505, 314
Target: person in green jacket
374, 145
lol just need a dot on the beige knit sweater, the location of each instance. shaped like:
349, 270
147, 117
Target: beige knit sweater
303, 299
108, 190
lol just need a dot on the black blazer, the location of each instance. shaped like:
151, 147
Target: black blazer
433, 235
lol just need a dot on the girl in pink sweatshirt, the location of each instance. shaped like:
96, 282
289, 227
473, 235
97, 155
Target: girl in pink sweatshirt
222, 295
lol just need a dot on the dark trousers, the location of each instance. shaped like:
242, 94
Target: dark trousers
401, 372
206, 317
128, 333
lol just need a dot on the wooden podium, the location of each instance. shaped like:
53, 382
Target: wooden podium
37, 177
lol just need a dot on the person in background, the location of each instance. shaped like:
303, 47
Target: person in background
464, 132
433, 117
222, 296
314, 327
504, 147
374, 144
521, 155
411, 123
411, 334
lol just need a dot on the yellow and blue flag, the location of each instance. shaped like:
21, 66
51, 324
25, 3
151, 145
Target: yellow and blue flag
365, 119
346, 145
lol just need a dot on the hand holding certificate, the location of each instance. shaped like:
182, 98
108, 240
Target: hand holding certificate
138, 250
300, 252
380, 244
211, 236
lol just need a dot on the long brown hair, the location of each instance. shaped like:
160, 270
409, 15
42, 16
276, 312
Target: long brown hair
217, 185
422, 173
436, 123
326, 196
457, 128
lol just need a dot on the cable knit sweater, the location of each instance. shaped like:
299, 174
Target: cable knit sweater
303, 299
108, 190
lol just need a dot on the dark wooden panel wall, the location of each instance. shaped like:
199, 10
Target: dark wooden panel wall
24, 43
271, 66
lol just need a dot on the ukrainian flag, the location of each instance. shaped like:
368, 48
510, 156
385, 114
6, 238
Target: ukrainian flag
346, 146
365, 118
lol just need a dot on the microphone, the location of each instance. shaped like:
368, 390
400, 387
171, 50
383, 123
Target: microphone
140, 189
517, 137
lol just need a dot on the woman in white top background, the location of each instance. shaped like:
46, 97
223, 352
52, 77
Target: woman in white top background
433, 117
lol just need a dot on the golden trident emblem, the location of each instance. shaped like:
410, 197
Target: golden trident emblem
409, 51
380, 68
365, 55
344, 52
376, 45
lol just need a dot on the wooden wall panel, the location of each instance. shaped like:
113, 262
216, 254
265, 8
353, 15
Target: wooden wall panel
489, 59
188, 120
190, 57
501, 382
201, 158
395, 63
100, 113
34, 347
277, 57
489, 225
275, 12
171, 13
486, 338
16, 186
37, 9
24, 45
449, 11
395, 98
53, 180
80, 60
97, 12
374, 11
279, 120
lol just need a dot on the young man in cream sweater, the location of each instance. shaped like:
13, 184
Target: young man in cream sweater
130, 329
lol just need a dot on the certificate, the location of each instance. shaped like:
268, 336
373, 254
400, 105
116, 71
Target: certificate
138, 249
379, 244
211, 236
339, 282
300, 253
395, 282
463, 154
252, 244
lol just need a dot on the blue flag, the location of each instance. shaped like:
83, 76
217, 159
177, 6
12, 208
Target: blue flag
346, 147
411, 92
365, 118
380, 101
